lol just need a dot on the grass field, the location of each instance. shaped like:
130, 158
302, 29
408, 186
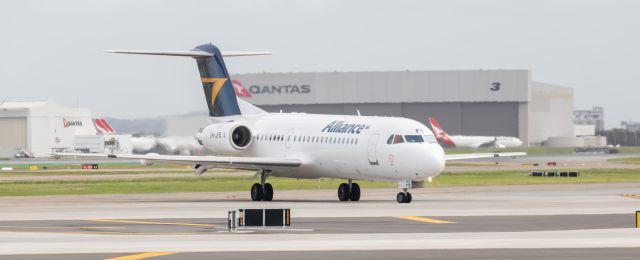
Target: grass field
217, 184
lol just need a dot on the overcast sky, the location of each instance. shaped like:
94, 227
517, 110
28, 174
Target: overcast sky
52, 50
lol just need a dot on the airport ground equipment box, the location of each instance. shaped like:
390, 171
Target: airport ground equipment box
260, 218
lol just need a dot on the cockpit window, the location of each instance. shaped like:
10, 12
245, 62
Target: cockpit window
430, 139
398, 139
414, 138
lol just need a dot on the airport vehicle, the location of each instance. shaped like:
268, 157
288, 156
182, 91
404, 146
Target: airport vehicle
471, 141
22, 153
298, 145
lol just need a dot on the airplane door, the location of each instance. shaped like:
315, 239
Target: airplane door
373, 143
289, 139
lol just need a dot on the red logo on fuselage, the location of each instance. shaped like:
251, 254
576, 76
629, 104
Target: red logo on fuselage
240, 90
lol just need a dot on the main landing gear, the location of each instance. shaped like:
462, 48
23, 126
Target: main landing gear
262, 191
404, 196
350, 191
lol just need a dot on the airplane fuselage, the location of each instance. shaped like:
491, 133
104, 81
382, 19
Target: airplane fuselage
334, 146
465, 141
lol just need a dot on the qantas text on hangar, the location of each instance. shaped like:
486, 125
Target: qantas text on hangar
273, 89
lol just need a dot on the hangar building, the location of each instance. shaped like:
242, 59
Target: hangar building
466, 102
41, 127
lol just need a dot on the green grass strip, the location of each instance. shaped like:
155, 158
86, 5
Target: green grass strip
221, 184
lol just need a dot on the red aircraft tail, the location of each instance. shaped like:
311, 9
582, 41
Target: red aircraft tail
440, 134
103, 127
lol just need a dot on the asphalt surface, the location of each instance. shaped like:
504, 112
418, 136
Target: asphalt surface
355, 225
568, 221
522, 254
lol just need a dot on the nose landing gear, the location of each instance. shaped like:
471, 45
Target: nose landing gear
350, 191
262, 191
404, 197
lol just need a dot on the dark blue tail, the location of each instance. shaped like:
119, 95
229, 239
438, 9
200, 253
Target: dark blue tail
218, 89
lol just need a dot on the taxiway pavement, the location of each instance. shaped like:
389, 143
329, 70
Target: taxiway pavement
503, 222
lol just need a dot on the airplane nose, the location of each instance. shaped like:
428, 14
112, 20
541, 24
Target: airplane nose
431, 160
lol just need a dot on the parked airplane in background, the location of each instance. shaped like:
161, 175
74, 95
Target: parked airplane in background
303, 146
470, 141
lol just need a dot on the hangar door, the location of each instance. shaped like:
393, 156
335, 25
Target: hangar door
13, 135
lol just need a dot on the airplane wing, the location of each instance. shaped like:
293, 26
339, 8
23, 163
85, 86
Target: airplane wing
451, 157
246, 163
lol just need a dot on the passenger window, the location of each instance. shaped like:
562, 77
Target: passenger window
398, 139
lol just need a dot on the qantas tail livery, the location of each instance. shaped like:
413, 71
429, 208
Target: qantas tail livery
296, 145
440, 134
468, 141
103, 128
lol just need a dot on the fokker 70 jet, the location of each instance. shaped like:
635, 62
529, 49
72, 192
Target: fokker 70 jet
303, 146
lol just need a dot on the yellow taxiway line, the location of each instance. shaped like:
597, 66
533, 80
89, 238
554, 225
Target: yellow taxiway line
632, 196
428, 220
152, 222
141, 256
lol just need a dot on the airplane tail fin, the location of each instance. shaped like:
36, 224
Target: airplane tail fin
103, 128
216, 83
440, 134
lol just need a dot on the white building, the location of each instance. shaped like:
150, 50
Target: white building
41, 127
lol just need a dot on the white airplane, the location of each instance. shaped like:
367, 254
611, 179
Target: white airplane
470, 141
304, 146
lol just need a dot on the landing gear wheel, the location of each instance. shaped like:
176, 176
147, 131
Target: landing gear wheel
409, 198
355, 192
256, 192
268, 192
343, 192
401, 197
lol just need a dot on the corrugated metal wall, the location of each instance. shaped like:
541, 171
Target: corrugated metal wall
13, 135
387, 87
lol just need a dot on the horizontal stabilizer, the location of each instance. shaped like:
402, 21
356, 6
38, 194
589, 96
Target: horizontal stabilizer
192, 53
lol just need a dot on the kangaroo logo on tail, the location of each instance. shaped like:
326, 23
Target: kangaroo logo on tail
241, 91
440, 134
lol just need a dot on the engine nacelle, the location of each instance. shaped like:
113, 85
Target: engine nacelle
225, 138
